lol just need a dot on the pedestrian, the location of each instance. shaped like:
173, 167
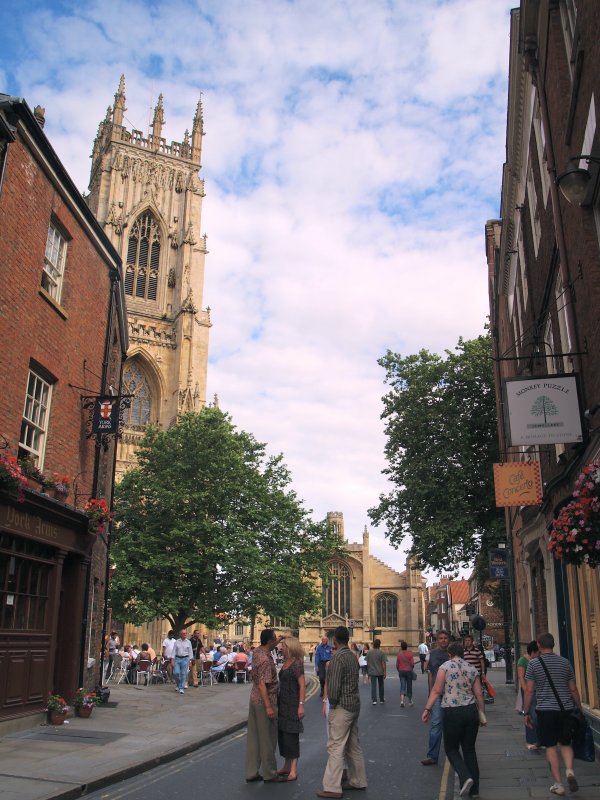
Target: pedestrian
168, 646
435, 658
291, 706
311, 652
531, 733
423, 651
552, 679
458, 687
261, 738
377, 671
113, 647
198, 650
362, 661
180, 661
405, 664
474, 655
343, 744
322, 658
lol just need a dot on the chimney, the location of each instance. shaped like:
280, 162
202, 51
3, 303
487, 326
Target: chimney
40, 115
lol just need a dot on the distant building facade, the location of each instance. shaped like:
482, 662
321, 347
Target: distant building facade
64, 335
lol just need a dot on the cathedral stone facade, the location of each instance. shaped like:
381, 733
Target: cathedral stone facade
147, 195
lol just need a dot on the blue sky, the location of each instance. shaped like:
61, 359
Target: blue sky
353, 154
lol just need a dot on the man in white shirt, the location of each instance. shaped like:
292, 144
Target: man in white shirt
168, 647
423, 651
183, 653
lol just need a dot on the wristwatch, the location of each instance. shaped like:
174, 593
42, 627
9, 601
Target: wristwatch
524, 713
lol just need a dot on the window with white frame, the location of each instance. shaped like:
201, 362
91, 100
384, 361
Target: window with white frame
540, 141
568, 16
565, 345
34, 426
54, 262
536, 229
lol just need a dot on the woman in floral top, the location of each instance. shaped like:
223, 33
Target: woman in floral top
459, 685
291, 705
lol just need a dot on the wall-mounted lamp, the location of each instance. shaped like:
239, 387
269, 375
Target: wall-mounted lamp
575, 181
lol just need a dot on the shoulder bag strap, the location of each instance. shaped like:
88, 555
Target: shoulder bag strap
552, 686
406, 661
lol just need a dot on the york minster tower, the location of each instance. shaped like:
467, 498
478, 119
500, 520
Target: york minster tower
148, 196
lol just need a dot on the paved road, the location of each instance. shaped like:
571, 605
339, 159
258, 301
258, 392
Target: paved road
394, 740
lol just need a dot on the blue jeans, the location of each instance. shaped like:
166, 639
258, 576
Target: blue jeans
377, 681
405, 683
436, 722
182, 665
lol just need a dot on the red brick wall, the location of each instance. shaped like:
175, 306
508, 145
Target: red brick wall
69, 345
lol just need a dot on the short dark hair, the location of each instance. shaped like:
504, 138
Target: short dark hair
456, 649
403, 645
533, 647
266, 636
546, 640
376, 643
341, 634
444, 632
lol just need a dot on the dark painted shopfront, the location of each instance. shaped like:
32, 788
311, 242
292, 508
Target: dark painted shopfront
45, 550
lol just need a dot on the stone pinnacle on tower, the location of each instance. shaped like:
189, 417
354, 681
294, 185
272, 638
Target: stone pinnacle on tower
119, 106
197, 132
159, 120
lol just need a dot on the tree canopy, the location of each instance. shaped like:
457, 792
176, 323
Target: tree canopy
441, 444
207, 525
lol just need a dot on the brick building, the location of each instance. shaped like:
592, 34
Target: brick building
64, 335
544, 283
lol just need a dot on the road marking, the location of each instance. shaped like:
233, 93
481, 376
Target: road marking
444, 782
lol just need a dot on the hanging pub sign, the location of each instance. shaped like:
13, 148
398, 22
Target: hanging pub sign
499, 563
105, 418
518, 483
544, 410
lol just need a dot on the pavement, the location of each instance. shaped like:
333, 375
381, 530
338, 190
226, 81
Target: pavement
144, 726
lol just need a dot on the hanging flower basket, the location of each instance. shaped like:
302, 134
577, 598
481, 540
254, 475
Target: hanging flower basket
12, 479
100, 516
575, 533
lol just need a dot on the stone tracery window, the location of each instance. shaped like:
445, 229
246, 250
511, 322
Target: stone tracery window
143, 258
336, 590
135, 382
387, 611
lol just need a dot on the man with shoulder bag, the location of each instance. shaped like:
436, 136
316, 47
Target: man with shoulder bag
558, 707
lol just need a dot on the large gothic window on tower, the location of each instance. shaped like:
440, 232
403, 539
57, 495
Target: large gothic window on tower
143, 257
137, 416
336, 590
387, 611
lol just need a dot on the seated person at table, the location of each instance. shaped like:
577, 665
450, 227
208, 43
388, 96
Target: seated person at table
219, 668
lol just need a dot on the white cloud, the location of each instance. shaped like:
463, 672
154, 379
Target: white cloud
353, 153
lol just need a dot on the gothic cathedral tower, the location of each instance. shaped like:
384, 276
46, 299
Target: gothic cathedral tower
148, 195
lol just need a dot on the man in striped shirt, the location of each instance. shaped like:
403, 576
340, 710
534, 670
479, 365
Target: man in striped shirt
473, 655
344, 707
553, 705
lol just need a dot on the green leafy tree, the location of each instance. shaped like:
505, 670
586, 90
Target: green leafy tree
441, 444
207, 525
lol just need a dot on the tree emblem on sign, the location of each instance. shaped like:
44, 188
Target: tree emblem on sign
545, 407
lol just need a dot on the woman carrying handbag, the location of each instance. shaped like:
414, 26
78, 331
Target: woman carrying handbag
459, 686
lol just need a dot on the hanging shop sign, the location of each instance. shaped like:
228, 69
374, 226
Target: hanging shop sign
518, 483
499, 563
544, 410
106, 415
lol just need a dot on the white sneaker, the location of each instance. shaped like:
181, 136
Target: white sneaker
557, 788
181, 691
374, 702
185, 686
465, 787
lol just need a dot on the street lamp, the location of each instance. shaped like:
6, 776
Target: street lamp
575, 181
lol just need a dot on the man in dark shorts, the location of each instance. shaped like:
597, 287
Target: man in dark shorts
553, 724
